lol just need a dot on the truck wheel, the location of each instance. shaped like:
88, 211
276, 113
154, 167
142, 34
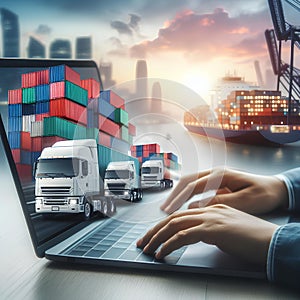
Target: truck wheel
104, 209
171, 184
87, 210
140, 193
112, 207
162, 185
131, 196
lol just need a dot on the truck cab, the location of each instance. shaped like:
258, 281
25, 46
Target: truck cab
155, 175
66, 177
122, 180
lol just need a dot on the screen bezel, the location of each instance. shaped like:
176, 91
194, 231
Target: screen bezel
39, 247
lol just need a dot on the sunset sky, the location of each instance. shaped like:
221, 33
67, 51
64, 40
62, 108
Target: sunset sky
194, 42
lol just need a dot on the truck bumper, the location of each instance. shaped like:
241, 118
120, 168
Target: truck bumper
150, 184
73, 208
121, 194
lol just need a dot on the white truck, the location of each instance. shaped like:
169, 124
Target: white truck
122, 180
155, 174
67, 180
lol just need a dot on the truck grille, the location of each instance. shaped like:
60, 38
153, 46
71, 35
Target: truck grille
56, 190
116, 186
57, 201
150, 177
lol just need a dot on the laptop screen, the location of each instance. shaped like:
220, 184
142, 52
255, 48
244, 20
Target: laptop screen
77, 151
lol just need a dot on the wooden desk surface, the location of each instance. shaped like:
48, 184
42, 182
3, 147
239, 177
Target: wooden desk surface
24, 276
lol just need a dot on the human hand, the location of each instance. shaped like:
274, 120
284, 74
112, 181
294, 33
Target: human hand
251, 193
231, 230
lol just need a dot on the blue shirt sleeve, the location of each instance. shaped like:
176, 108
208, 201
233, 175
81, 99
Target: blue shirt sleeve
283, 263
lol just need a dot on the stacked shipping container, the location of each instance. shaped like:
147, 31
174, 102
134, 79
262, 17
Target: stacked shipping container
145, 152
55, 104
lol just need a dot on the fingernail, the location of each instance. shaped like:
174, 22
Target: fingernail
158, 255
139, 242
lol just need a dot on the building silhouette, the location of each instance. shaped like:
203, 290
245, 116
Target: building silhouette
141, 78
83, 48
156, 103
10, 33
36, 49
60, 49
106, 75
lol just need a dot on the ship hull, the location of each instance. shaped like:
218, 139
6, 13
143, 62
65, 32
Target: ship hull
253, 137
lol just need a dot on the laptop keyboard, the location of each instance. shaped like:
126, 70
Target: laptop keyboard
117, 240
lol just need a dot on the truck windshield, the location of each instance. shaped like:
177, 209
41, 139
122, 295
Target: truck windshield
57, 167
150, 170
117, 174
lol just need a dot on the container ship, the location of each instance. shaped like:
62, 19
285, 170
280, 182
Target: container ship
258, 117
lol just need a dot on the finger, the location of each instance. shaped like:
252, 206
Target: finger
183, 182
208, 182
142, 242
185, 237
172, 228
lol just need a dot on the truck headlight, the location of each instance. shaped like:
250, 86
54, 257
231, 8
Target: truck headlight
39, 201
73, 201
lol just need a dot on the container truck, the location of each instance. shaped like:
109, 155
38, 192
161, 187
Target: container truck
122, 180
67, 180
155, 174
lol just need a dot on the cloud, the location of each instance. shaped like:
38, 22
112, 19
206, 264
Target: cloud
205, 36
43, 30
127, 28
118, 48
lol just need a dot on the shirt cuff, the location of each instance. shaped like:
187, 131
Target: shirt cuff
290, 190
271, 251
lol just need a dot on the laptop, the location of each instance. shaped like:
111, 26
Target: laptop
105, 233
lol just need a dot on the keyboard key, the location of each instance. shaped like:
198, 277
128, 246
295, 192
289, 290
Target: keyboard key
130, 255
113, 253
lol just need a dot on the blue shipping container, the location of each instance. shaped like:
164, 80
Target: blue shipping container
35, 156
28, 109
15, 124
42, 107
25, 157
42, 92
14, 139
106, 110
120, 145
15, 110
105, 95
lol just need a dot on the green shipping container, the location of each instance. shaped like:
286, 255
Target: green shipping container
76, 93
124, 133
121, 116
54, 126
92, 133
28, 95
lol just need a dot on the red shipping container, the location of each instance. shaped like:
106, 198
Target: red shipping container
92, 86
36, 144
16, 154
28, 80
48, 141
167, 162
133, 148
117, 101
25, 140
40, 117
25, 172
67, 109
131, 129
146, 153
72, 76
109, 127
104, 139
42, 77
57, 90
133, 153
15, 96
154, 148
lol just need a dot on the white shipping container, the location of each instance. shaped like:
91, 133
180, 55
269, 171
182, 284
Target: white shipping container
37, 128
26, 122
